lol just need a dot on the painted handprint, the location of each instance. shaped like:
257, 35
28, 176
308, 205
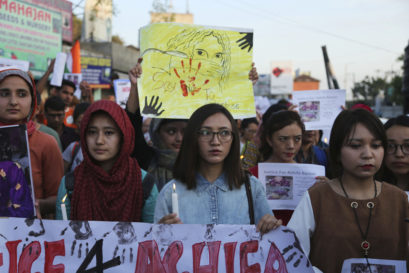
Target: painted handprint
246, 41
82, 232
126, 236
187, 78
153, 107
296, 251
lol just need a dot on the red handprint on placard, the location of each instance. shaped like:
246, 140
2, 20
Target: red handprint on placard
188, 78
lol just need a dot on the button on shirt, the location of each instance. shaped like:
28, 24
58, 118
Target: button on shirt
213, 203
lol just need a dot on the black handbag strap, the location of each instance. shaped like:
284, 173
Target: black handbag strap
250, 200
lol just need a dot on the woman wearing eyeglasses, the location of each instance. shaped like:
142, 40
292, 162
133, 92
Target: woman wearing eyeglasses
396, 160
212, 186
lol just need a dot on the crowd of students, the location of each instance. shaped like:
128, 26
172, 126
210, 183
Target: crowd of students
107, 171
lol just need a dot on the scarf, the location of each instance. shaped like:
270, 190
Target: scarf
113, 196
26, 76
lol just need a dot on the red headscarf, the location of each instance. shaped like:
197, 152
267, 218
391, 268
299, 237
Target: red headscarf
26, 76
113, 196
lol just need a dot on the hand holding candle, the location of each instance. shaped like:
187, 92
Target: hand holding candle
64, 209
175, 202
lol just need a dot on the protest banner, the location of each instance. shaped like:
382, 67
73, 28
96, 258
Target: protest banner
19, 64
16, 181
96, 71
281, 78
187, 66
319, 108
286, 183
29, 32
122, 88
73, 246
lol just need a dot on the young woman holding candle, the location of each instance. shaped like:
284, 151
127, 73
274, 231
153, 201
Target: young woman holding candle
210, 183
353, 215
396, 161
109, 185
18, 101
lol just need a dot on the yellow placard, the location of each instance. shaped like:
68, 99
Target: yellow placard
187, 66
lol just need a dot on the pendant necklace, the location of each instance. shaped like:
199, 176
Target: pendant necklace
365, 245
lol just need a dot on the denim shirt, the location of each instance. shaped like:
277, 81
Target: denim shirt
213, 203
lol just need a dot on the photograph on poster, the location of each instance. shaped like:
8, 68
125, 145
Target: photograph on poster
309, 111
16, 187
279, 187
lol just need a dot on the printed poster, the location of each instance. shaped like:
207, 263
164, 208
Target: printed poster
281, 78
122, 88
96, 71
16, 182
29, 32
373, 265
76, 78
286, 183
319, 108
187, 66
28, 245
19, 64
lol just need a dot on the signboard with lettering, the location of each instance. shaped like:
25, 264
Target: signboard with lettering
96, 71
29, 32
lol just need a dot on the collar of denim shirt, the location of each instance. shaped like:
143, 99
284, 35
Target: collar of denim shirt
220, 182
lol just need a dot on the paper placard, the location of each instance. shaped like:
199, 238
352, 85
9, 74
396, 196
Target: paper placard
19, 64
72, 246
286, 183
122, 88
373, 265
59, 67
319, 108
76, 78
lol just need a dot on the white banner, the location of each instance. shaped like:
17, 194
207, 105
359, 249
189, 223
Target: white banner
74, 246
319, 108
122, 88
286, 183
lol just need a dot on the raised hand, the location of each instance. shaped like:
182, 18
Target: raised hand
153, 107
246, 41
187, 78
135, 72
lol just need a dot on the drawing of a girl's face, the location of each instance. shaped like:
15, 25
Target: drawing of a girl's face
210, 52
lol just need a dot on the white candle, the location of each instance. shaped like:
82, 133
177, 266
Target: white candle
175, 203
64, 209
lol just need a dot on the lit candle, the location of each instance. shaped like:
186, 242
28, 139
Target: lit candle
175, 204
64, 209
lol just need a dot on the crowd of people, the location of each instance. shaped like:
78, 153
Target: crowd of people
96, 159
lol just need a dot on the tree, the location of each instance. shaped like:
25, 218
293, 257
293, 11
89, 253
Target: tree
117, 39
76, 27
370, 87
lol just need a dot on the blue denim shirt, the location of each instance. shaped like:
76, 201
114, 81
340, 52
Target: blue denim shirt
213, 203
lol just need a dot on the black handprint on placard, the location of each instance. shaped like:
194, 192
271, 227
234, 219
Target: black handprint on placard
126, 236
246, 41
82, 232
296, 251
153, 107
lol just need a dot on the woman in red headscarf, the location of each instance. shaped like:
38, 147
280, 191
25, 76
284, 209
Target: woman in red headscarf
17, 106
109, 185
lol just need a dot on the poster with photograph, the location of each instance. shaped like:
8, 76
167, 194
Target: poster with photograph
187, 66
76, 78
281, 78
319, 108
286, 183
122, 88
360, 265
16, 182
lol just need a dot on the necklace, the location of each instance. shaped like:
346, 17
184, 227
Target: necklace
365, 245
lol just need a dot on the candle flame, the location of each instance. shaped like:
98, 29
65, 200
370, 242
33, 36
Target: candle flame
174, 187
325, 140
63, 200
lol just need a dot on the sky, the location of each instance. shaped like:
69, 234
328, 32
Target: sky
362, 37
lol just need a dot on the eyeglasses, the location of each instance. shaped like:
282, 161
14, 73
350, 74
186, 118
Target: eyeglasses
207, 135
392, 148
